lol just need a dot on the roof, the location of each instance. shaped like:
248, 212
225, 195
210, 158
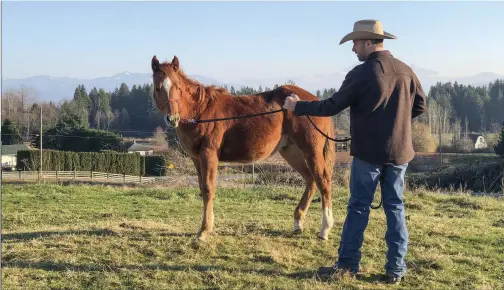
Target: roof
13, 149
140, 147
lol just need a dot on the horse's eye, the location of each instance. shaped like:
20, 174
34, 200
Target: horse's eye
158, 90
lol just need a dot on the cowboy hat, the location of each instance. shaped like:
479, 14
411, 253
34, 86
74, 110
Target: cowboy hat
367, 29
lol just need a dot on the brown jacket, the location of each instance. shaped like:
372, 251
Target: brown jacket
384, 95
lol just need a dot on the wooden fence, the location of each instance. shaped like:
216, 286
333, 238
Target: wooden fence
79, 175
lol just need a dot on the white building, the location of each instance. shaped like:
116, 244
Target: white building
142, 149
9, 154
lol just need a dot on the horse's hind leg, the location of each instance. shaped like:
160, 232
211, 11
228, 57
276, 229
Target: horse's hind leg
296, 160
322, 176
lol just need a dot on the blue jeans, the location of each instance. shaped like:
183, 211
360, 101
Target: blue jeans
364, 179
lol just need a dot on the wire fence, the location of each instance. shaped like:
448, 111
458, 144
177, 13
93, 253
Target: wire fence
78, 175
476, 172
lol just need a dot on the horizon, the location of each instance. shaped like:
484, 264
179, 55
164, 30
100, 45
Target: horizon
110, 38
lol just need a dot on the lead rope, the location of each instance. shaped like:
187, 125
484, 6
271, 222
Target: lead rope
193, 121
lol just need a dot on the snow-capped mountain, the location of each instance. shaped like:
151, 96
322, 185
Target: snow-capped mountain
57, 89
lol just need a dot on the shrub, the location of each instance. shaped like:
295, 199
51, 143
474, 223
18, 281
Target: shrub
423, 141
482, 175
499, 148
462, 145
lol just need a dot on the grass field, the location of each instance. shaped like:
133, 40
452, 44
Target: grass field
99, 237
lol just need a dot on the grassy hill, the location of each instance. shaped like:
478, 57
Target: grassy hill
98, 237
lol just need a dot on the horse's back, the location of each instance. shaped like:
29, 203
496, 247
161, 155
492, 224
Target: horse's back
282, 92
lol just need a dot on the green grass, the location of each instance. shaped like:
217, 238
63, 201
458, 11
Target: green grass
99, 237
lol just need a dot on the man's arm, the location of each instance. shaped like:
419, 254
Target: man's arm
419, 101
339, 101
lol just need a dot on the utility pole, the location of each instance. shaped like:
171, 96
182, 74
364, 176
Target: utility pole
40, 165
440, 143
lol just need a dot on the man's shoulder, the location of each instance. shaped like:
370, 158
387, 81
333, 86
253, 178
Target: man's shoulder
402, 67
395, 65
356, 70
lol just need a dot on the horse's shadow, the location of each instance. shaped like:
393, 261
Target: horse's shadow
53, 266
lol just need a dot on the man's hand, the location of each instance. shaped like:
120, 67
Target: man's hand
290, 102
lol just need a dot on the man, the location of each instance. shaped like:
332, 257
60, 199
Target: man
384, 95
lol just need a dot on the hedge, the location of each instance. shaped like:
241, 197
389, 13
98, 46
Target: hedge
479, 176
110, 162
156, 164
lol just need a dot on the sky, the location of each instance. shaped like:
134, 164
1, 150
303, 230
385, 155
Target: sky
236, 40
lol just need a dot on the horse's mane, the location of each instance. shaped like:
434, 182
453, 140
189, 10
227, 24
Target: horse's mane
205, 91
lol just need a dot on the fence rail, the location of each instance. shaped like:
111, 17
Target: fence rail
82, 175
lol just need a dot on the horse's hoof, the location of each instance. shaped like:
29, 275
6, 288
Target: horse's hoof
298, 227
203, 236
323, 237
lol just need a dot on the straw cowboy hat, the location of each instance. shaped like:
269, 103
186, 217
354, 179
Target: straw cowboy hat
367, 29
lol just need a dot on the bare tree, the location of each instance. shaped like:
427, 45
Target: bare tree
160, 139
495, 127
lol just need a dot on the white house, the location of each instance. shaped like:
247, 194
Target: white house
142, 149
478, 141
9, 154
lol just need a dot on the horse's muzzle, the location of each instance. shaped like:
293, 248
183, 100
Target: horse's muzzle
173, 120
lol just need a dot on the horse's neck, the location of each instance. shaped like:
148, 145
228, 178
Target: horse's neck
198, 103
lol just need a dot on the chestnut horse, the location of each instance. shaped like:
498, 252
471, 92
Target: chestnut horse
247, 139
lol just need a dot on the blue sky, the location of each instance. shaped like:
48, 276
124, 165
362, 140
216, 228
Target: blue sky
232, 40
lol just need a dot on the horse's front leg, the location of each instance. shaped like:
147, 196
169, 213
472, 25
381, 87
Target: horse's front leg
208, 169
198, 170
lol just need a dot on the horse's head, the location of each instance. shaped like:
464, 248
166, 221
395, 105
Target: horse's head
167, 89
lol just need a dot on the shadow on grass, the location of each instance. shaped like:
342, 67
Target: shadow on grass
19, 237
137, 232
53, 266
372, 278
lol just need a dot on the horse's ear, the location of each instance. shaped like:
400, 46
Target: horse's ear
175, 63
156, 67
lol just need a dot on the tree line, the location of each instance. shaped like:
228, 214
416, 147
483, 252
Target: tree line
129, 112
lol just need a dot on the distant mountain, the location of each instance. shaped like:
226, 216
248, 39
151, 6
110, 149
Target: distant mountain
316, 82
430, 78
57, 89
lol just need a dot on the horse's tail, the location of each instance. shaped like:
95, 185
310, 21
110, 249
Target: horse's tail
330, 150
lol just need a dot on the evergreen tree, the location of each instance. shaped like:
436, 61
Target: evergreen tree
10, 134
499, 148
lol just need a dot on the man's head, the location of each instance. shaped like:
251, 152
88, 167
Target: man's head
364, 47
367, 36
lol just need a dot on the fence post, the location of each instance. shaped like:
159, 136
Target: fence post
91, 174
56, 174
140, 178
124, 177
19, 174
253, 173
243, 175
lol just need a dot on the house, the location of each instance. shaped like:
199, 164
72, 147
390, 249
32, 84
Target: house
9, 154
477, 140
480, 143
142, 149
